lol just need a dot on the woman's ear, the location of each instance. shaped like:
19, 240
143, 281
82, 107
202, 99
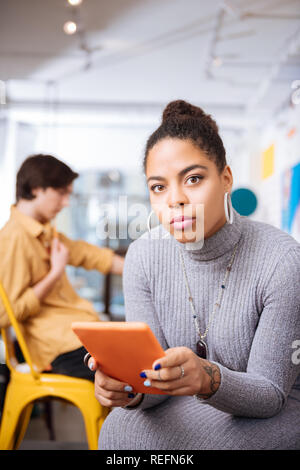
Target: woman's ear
227, 179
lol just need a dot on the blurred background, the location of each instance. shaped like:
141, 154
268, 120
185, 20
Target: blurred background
86, 81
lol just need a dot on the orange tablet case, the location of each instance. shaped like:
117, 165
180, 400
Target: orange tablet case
122, 349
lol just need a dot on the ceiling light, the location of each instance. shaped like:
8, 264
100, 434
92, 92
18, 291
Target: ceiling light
75, 2
70, 27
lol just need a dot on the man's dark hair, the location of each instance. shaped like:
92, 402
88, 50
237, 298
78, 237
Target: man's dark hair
42, 171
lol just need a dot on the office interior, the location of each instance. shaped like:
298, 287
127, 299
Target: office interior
87, 81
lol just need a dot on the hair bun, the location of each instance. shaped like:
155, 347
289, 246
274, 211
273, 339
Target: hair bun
179, 109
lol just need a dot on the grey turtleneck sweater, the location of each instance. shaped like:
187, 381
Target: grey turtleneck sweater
254, 338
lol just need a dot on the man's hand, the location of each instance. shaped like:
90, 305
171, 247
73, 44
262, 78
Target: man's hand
117, 265
59, 258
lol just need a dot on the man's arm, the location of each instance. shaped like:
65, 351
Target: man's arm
16, 280
91, 256
58, 259
43, 287
117, 264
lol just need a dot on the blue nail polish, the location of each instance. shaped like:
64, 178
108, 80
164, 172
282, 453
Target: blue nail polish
130, 395
143, 375
147, 383
128, 388
157, 367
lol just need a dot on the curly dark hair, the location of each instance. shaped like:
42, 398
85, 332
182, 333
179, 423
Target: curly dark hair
182, 120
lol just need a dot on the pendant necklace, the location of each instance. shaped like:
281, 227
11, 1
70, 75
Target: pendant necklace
201, 346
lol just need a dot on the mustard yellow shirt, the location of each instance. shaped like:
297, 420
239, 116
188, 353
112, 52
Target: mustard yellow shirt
24, 261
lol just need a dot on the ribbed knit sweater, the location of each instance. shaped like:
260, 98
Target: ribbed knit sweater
254, 338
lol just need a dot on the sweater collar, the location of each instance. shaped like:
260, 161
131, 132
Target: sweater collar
217, 244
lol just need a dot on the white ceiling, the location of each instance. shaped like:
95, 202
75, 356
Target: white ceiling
144, 53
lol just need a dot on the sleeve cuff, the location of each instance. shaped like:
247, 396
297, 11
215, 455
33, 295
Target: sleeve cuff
243, 394
32, 302
218, 398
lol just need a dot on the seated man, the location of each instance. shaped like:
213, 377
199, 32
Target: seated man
32, 267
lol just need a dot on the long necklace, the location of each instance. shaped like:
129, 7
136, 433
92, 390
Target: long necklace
201, 346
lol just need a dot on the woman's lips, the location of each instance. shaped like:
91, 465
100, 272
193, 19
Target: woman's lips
182, 222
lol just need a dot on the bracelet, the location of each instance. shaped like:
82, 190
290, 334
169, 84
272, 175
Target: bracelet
86, 359
198, 397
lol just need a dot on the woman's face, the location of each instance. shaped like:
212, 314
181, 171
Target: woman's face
186, 190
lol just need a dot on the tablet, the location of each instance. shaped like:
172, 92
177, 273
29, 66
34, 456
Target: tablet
122, 349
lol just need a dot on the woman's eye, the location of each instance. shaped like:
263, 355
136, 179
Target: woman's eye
157, 188
194, 179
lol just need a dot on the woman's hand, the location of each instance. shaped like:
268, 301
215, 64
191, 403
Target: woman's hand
108, 391
182, 372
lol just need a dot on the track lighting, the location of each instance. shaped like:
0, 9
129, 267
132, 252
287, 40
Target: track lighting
70, 27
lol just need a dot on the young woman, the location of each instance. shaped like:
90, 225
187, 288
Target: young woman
225, 308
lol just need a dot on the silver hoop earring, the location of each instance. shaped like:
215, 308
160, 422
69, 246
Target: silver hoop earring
148, 221
228, 208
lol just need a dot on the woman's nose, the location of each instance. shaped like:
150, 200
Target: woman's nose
176, 197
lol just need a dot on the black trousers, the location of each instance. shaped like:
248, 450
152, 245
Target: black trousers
71, 363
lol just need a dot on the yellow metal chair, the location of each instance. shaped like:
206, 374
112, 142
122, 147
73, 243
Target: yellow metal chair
26, 386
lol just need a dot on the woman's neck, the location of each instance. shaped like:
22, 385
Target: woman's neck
223, 239
216, 227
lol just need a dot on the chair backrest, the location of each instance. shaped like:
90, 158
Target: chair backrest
11, 360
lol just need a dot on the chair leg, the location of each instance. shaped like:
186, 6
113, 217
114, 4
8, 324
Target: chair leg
22, 425
92, 426
10, 431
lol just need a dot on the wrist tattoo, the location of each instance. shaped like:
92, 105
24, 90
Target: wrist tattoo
213, 372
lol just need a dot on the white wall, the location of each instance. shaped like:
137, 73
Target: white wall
101, 142
83, 141
287, 154
95, 147
7, 170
